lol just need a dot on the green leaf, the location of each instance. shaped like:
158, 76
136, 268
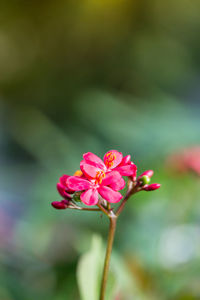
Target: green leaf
89, 272
90, 269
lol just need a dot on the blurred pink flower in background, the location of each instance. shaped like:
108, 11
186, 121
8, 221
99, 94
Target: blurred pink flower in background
185, 160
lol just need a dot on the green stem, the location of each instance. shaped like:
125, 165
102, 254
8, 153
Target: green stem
111, 234
130, 192
89, 209
113, 222
103, 209
83, 208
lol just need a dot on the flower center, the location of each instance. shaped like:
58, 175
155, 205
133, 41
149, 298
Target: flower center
100, 175
109, 161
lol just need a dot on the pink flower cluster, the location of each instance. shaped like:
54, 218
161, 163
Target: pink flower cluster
98, 179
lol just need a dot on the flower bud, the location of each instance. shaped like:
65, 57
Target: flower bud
152, 187
148, 173
60, 204
144, 180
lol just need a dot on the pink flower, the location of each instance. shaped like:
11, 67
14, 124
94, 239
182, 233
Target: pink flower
186, 160
107, 185
102, 178
113, 161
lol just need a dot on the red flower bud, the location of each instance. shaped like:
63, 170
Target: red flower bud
60, 204
148, 173
152, 187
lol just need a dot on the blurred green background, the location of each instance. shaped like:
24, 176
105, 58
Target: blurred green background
95, 75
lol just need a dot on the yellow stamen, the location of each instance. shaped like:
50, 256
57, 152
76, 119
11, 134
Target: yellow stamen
110, 157
100, 175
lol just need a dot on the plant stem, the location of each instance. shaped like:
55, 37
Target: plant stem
113, 222
83, 208
104, 210
128, 194
111, 234
89, 209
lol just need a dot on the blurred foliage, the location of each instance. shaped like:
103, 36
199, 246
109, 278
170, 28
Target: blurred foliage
95, 75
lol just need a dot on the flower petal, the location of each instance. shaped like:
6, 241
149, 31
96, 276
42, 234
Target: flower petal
63, 179
112, 176
118, 185
112, 158
89, 197
109, 194
89, 170
78, 184
128, 170
126, 160
62, 191
94, 160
